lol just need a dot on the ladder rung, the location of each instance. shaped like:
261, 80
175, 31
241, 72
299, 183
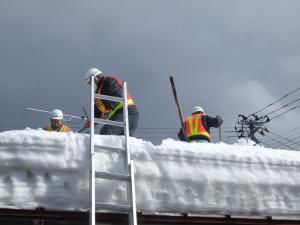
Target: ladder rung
110, 122
99, 148
112, 176
118, 208
110, 98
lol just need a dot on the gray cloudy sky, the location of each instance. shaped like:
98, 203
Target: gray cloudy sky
230, 57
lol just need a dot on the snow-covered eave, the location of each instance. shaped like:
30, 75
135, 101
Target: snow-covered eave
49, 169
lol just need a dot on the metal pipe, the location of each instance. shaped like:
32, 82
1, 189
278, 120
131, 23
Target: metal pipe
66, 115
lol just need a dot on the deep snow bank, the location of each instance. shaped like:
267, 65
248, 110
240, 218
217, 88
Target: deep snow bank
49, 169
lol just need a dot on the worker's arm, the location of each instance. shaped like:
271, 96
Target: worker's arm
214, 121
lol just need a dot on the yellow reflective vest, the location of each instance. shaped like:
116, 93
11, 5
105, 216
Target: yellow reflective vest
62, 128
194, 126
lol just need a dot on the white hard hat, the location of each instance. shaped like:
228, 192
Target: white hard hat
92, 72
57, 114
197, 109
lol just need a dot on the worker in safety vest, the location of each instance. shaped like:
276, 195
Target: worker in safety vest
105, 109
56, 122
198, 126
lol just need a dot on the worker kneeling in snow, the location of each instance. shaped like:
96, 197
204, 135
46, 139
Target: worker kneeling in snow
56, 122
198, 126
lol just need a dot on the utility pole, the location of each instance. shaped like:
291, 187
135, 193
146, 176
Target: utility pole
247, 126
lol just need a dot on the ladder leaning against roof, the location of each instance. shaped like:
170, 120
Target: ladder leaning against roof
128, 177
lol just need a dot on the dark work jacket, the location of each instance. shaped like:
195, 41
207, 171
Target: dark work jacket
111, 86
207, 122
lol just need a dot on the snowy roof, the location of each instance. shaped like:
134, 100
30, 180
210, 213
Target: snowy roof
50, 169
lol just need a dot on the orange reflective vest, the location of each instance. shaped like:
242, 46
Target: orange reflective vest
194, 126
63, 128
101, 107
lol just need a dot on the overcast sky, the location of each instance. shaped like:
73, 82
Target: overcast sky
229, 57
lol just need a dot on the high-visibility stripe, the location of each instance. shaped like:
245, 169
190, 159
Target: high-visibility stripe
101, 106
99, 103
63, 128
49, 128
194, 126
187, 127
120, 106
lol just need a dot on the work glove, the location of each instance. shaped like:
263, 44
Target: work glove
87, 124
220, 120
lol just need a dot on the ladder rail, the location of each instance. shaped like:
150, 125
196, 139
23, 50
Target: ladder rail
130, 190
126, 128
92, 189
129, 168
132, 196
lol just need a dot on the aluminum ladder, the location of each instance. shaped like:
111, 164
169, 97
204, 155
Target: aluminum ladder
128, 176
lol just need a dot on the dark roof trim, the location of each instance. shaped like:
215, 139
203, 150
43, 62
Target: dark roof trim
51, 215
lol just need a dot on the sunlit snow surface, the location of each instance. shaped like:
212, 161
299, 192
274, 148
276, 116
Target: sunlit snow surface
49, 169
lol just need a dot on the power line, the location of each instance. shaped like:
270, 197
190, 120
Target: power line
283, 106
156, 132
295, 128
139, 128
285, 112
266, 144
165, 128
296, 142
158, 128
286, 95
260, 141
282, 137
156, 137
293, 137
11, 126
292, 132
232, 136
279, 142
173, 132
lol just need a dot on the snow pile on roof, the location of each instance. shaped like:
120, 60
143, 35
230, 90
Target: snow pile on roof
39, 168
